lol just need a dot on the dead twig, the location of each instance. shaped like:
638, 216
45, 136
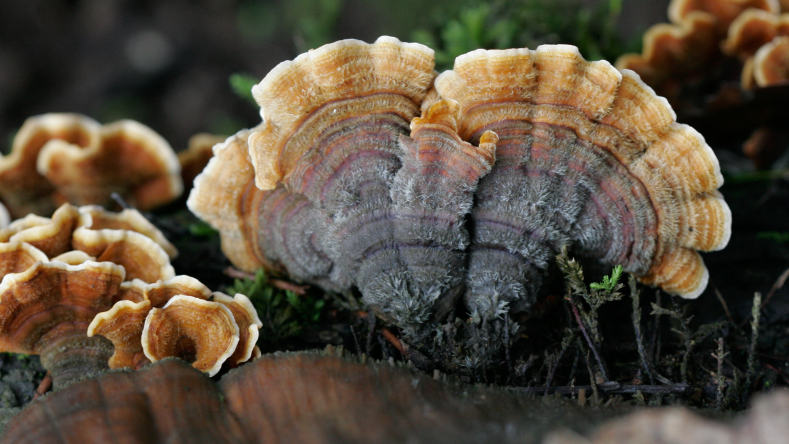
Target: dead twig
720, 356
394, 340
610, 387
724, 304
568, 339
235, 273
777, 285
588, 339
755, 314
44, 386
636, 318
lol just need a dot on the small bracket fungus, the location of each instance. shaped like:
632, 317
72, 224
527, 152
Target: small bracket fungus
248, 322
125, 238
194, 159
771, 63
202, 333
124, 323
46, 309
457, 198
57, 158
690, 44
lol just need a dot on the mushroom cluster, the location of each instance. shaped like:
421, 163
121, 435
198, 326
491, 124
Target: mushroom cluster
59, 273
58, 158
701, 32
711, 46
174, 318
439, 196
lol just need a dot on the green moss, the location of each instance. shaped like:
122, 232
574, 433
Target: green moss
284, 313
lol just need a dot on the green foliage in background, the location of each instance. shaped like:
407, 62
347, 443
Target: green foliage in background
311, 23
242, 85
284, 313
525, 23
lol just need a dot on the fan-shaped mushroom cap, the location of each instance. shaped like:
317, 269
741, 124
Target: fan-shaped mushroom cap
51, 236
659, 196
674, 50
130, 159
196, 156
22, 189
771, 63
124, 323
517, 153
97, 218
201, 332
690, 43
338, 81
225, 196
249, 323
47, 308
74, 257
126, 239
753, 29
71, 158
724, 11
16, 257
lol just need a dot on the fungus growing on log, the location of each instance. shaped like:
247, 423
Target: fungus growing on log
516, 154
57, 158
46, 309
203, 333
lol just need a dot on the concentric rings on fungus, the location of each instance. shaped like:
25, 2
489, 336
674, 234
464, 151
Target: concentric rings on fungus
124, 323
46, 310
517, 153
202, 333
125, 238
57, 158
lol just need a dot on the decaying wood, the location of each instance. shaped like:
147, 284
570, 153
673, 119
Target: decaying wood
323, 398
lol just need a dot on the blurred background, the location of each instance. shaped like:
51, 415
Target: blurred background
169, 63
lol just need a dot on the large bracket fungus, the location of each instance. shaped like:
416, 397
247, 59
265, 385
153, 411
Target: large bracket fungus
517, 153
57, 158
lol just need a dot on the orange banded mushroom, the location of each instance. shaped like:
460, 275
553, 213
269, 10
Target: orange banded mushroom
248, 322
59, 158
771, 63
124, 323
200, 332
689, 45
46, 310
125, 238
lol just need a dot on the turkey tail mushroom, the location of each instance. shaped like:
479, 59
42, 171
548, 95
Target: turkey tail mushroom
588, 156
421, 192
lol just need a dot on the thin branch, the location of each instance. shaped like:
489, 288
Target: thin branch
777, 285
611, 387
636, 318
588, 339
235, 273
